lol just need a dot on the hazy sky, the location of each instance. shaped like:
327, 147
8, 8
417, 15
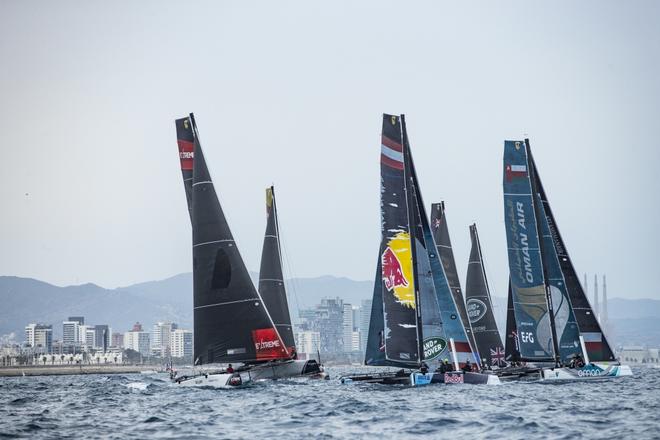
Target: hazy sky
292, 93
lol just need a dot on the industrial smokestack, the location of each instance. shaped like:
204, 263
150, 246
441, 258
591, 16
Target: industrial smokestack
604, 315
596, 305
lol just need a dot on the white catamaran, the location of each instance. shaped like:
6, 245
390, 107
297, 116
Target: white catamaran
550, 322
233, 322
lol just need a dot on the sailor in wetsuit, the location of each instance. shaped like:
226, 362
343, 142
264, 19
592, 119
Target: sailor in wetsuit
444, 367
467, 367
230, 369
424, 368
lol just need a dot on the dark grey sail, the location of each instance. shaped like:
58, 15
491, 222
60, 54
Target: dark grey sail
231, 322
185, 141
271, 280
443, 245
480, 307
596, 343
375, 350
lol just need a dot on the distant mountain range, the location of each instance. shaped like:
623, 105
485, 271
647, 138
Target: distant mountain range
25, 300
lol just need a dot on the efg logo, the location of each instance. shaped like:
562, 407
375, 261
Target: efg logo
433, 347
476, 309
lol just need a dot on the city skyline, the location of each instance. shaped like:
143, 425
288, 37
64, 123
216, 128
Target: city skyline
73, 116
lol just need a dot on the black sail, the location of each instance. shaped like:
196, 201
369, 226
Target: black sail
185, 141
480, 307
231, 322
399, 292
443, 246
596, 343
511, 353
271, 280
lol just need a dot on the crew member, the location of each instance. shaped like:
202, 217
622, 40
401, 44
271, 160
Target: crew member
467, 367
230, 369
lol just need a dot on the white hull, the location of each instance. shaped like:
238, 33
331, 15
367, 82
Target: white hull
217, 380
589, 372
280, 370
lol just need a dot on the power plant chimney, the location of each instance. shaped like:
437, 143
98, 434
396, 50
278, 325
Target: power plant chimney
604, 317
596, 306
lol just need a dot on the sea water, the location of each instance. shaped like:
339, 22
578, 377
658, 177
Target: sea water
143, 407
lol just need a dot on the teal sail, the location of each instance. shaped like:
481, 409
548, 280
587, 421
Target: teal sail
567, 331
529, 297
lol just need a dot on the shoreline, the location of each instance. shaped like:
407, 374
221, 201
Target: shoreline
65, 370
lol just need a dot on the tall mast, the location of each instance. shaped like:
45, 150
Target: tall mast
596, 303
603, 317
546, 285
409, 189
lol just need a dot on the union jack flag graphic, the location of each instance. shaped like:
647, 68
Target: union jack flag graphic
497, 356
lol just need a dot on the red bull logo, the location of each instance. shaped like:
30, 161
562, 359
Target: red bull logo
392, 273
396, 264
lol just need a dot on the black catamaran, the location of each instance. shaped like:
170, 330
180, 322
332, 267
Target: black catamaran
443, 245
414, 320
480, 307
231, 321
545, 328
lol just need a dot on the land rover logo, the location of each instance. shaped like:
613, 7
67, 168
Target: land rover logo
476, 309
433, 347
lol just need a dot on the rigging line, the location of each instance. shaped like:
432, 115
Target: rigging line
292, 280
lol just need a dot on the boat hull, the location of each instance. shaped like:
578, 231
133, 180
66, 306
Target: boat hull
216, 380
293, 368
588, 372
454, 377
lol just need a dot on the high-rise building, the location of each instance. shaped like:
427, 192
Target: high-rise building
308, 342
102, 336
137, 327
355, 341
70, 333
86, 336
365, 317
39, 337
347, 327
79, 319
117, 340
327, 319
181, 342
160, 338
138, 341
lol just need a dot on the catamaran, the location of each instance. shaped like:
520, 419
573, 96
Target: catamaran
232, 323
550, 322
414, 321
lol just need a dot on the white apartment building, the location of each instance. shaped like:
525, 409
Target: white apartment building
181, 343
138, 341
70, 333
39, 337
160, 338
308, 342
